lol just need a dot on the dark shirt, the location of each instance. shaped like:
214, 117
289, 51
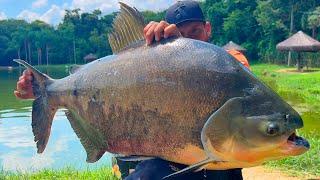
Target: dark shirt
156, 169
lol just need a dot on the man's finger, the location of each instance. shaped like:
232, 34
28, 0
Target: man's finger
171, 30
145, 29
28, 77
21, 77
158, 32
22, 96
21, 84
18, 95
150, 34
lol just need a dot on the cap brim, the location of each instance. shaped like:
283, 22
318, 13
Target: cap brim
190, 20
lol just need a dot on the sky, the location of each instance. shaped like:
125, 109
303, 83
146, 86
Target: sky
52, 11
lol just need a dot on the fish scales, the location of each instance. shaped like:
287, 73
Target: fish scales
145, 99
180, 99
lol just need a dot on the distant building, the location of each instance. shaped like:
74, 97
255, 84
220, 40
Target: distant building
90, 57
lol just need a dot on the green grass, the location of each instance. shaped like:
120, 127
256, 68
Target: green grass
299, 89
295, 87
67, 173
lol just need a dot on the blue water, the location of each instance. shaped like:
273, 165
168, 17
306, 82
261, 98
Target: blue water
18, 150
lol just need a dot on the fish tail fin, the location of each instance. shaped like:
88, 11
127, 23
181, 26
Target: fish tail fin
43, 108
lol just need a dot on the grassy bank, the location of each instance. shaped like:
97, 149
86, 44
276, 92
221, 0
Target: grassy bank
67, 173
293, 86
302, 91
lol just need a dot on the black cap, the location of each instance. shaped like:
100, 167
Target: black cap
183, 11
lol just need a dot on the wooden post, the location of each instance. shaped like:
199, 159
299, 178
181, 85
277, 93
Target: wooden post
299, 62
74, 51
291, 31
47, 52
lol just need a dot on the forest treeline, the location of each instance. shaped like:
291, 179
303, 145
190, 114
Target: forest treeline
257, 25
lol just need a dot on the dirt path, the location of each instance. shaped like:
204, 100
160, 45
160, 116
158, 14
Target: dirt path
261, 173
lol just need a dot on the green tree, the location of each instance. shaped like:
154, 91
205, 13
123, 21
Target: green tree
314, 21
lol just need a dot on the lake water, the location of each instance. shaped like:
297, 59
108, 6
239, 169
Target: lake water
17, 148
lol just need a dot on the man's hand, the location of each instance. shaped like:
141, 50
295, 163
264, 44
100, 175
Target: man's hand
24, 87
159, 30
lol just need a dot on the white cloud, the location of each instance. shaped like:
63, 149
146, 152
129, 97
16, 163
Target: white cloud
113, 5
52, 16
86, 6
55, 14
28, 15
16, 137
152, 5
39, 3
16, 160
2, 16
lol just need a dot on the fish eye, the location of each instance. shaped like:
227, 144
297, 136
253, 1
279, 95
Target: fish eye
272, 129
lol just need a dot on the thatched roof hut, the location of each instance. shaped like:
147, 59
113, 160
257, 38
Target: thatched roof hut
233, 46
299, 42
90, 57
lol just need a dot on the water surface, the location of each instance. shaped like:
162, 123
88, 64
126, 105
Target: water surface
18, 150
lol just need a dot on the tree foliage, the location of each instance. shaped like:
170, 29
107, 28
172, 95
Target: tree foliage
257, 25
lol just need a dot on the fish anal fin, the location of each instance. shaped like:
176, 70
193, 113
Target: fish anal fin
90, 138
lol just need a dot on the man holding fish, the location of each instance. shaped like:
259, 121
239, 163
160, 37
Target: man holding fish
185, 18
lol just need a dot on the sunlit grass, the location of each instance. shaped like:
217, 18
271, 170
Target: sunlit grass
297, 88
304, 87
67, 173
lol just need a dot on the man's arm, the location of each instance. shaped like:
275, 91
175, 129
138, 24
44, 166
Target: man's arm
159, 30
24, 87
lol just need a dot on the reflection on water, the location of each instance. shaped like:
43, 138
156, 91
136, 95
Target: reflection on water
18, 150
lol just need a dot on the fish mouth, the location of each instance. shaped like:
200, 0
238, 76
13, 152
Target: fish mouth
296, 145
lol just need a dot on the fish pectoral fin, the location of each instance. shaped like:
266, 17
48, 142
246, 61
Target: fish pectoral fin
221, 126
195, 167
90, 138
134, 158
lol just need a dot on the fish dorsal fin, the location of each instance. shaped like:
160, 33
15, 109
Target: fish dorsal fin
127, 28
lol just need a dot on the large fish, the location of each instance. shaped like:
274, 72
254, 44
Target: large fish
181, 100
